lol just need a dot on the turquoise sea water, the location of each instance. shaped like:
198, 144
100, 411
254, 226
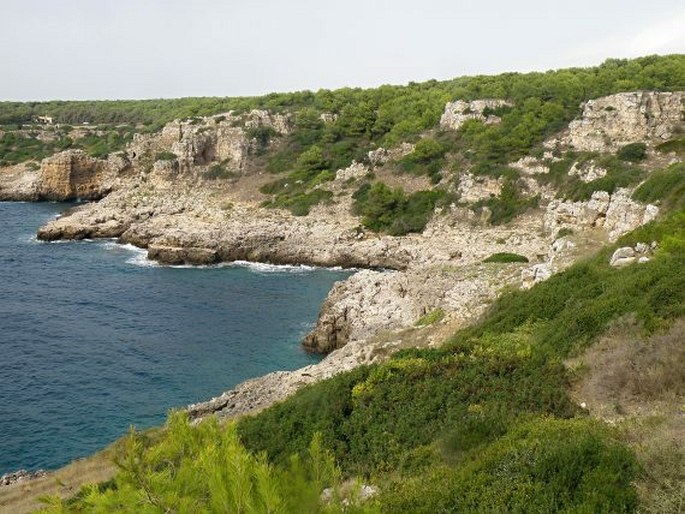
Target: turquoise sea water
93, 338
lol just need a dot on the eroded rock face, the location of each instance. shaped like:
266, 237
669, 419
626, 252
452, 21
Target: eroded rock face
459, 112
473, 188
381, 155
200, 142
617, 214
587, 171
614, 121
530, 166
19, 183
74, 174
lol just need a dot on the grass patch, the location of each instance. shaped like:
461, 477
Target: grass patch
506, 257
665, 186
674, 145
165, 156
300, 204
430, 318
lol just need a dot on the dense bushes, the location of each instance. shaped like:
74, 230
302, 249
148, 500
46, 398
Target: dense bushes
16, 148
541, 466
426, 159
633, 152
384, 209
387, 417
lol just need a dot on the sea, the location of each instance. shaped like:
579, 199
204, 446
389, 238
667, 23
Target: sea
94, 338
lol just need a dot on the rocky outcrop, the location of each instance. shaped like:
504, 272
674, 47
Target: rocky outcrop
587, 171
224, 139
530, 166
625, 255
367, 318
380, 155
20, 476
611, 122
74, 174
354, 170
459, 112
19, 183
473, 188
617, 214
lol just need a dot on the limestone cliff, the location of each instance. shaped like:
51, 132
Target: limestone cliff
73, 174
613, 121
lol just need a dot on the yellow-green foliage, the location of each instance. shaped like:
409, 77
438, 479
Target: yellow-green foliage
206, 469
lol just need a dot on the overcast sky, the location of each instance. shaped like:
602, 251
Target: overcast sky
96, 49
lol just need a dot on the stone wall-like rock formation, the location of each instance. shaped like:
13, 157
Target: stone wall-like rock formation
617, 214
74, 174
614, 121
221, 139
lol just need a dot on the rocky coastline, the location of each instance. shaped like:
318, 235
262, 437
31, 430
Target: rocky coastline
169, 207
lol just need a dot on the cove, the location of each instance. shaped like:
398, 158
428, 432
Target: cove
93, 338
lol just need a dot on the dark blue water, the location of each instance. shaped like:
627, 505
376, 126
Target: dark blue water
93, 340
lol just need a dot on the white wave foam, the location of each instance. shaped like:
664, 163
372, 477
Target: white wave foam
261, 267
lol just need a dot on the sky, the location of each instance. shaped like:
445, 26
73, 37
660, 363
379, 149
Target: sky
115, 49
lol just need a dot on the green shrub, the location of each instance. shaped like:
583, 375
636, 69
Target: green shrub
506, 257
376, 419
430, 318
619, 174
393, 211
427, 158
633, 152
509, 204
262, 134
673, 145
165, 156
300, 204
220, 172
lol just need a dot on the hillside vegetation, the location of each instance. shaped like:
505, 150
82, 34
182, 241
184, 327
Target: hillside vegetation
331, 129
490, 420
